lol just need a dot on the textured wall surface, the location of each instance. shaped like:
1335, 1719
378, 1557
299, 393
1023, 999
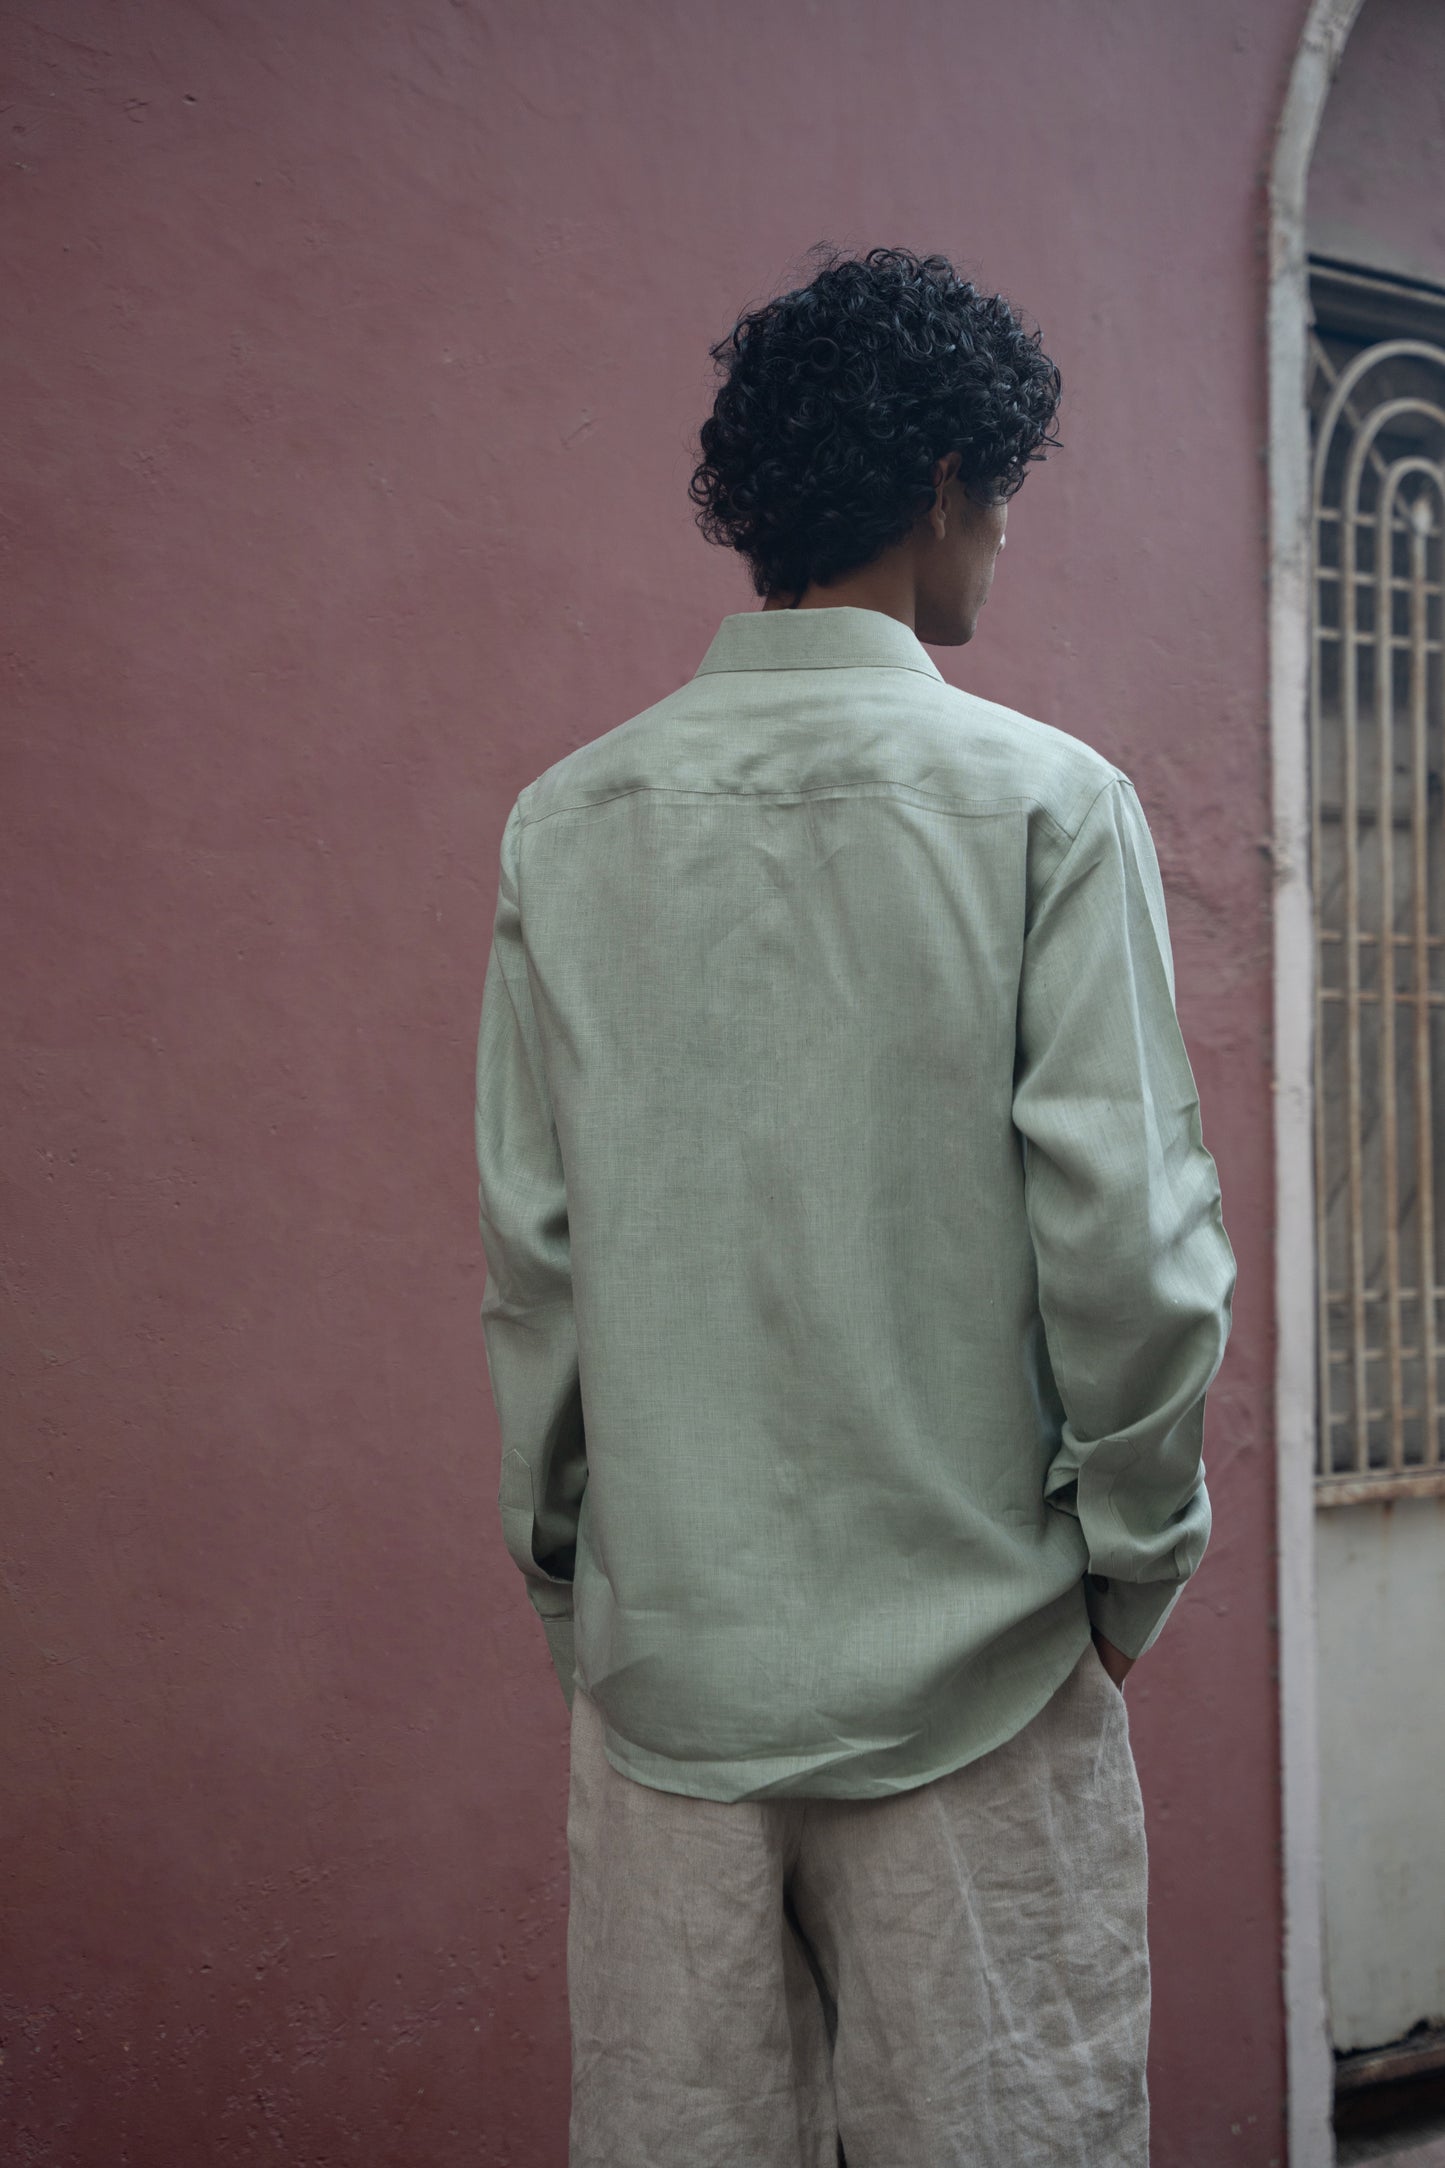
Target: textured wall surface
1382, 1758
1377, 178
346, 445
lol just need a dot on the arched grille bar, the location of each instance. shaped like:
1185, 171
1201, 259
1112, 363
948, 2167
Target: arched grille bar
1377, 760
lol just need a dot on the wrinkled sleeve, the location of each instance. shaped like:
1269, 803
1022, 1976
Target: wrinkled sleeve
1135, 1272
528, 1322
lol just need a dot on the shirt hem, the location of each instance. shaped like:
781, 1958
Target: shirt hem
742, 1780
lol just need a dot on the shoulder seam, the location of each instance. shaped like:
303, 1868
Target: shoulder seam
937, 801
1110, 782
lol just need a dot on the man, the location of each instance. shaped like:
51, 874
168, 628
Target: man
856, 1277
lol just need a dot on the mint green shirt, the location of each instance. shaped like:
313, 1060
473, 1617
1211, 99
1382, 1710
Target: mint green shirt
856, 1270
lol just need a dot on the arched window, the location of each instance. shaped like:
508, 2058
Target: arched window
1377, 802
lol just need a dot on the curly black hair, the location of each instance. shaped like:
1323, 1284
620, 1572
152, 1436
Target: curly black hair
838, 398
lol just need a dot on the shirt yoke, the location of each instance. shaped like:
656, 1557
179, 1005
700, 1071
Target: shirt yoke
786, 733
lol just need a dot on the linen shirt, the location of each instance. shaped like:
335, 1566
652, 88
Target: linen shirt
856, 1267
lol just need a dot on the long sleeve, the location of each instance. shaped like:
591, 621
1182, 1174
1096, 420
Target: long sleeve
528, 1321
1135, 1273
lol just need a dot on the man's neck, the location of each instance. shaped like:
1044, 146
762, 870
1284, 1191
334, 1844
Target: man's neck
889, 584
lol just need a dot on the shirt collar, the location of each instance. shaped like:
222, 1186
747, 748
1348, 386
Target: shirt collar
839, 638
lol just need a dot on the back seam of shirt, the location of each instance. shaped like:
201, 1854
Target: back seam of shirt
934, 801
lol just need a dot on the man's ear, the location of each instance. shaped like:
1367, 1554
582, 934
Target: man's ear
938, 510
945, 470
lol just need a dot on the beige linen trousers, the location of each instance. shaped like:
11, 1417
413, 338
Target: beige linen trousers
952, 1976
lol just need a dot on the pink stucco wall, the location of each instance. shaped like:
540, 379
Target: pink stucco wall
347, 432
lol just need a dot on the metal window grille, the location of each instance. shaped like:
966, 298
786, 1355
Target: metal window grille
1377, 764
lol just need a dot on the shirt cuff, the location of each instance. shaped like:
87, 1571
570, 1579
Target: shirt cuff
1131, 1614
553, 1605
